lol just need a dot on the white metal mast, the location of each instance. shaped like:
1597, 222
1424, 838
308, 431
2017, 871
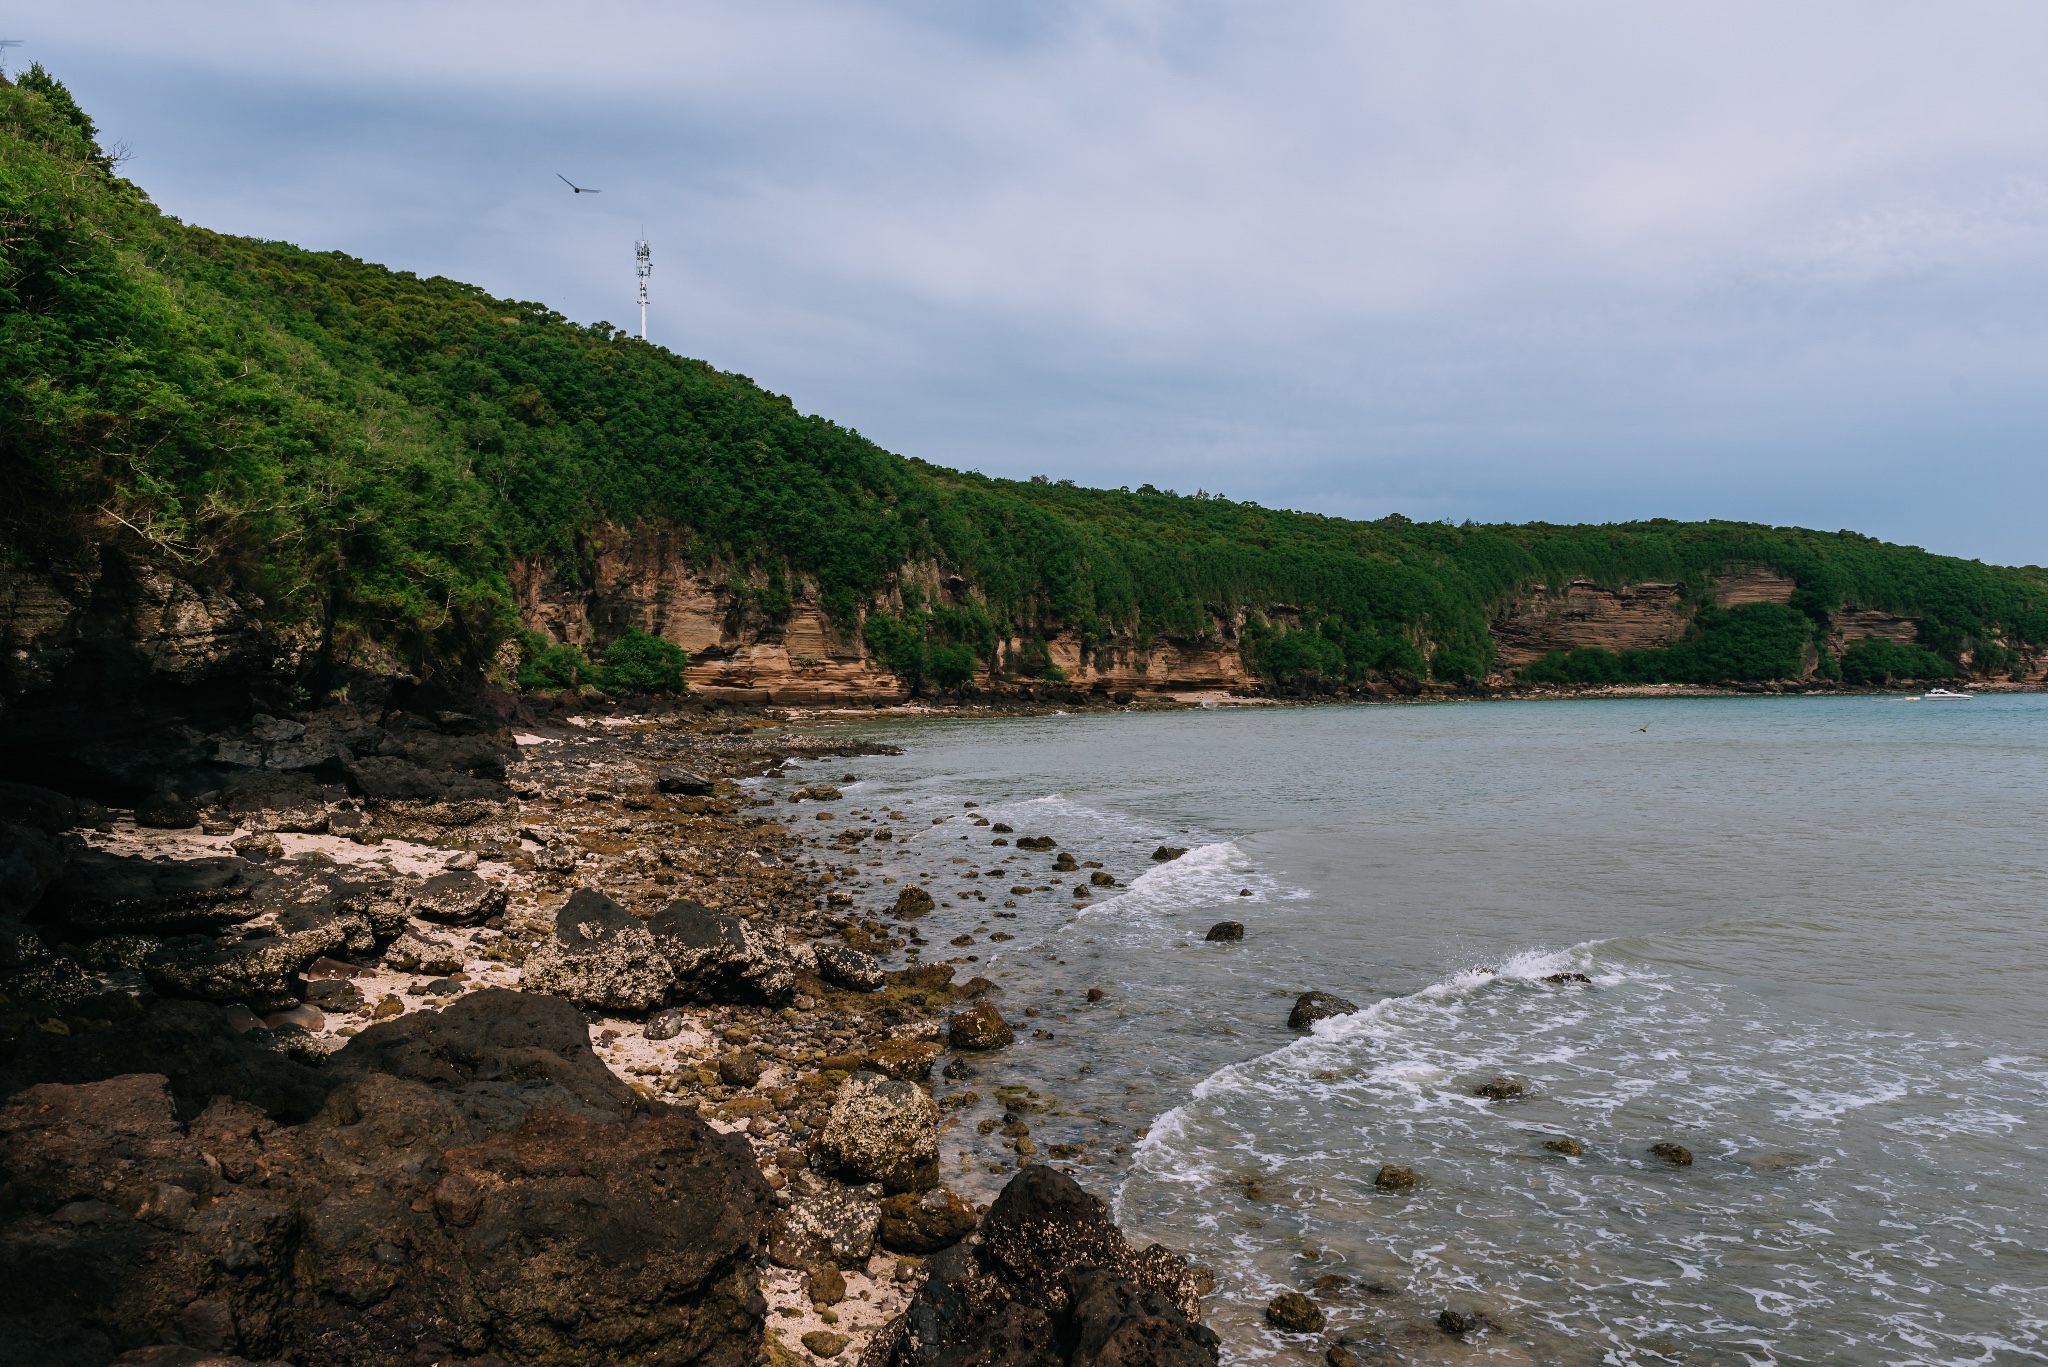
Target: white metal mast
643, 259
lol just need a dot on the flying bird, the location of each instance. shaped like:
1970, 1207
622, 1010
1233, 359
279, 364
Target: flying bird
579, 189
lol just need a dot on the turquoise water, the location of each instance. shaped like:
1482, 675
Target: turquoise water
1814, 937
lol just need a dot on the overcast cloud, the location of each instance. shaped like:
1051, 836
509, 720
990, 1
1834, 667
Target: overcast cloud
1504, 261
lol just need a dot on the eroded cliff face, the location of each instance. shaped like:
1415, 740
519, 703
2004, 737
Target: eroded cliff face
646, 578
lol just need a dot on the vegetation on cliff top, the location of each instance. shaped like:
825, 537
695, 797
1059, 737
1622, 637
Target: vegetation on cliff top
369, 449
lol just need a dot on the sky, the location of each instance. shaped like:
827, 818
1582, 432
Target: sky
1568, 262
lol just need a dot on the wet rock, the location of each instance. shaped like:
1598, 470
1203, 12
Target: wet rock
166, 811
1066, 863
1168, 853
1294, 1313
816, 792
1311, 1007
925, 1221
1567, 979
825, 1343
847, 967
913, 901
906, 1060
1677, 1155
981, 1026
882, 1130
1053, 1281
739, 1069
1391, 1178
102, 893
1501, 1089
1101, 879
458, 898
829, 1225
1570, 1148
1228, 932
673, 778
1455, 1320
718, 958
1036, 842
600, 955
417, 952
1096, 994
664, 1025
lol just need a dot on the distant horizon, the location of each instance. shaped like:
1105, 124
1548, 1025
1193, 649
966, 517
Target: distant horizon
1464, 264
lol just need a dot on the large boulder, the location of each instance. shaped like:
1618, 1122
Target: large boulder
414, 952
1052, 1283
102, 893
406, 1222
673, 778
1311, 1007
600, 955
269, 801
30, 862
882, 1130
45, 809
719, 958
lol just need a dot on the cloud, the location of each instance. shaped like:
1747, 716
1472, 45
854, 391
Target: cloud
1465, 259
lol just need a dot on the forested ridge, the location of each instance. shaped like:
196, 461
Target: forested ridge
369, 450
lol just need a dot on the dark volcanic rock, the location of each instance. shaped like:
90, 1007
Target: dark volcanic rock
721, 958
847, 967
166, 811
1294, 1313
514, 1227
675, 779
102, 893
30, 862
1052, 1284
1228, 932
44, 809
1501, 1089
925, 1221
1311, 1007
600, 955
190, 1043
276, 801
1167, 853
458, 899
1677, 1155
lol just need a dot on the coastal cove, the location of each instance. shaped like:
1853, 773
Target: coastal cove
1810, 936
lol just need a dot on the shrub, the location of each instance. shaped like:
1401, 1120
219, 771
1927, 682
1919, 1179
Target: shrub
640, 663
1877, 661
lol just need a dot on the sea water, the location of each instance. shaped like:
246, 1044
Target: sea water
1802, 937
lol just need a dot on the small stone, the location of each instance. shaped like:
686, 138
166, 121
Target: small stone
1101, 879
1226, 932
1294, 1313
913, 901
664, 1025
1391, 1178
1677, 1155
1096, 994
846, 967
386, 1009
1453, 1321
1310, 1007
739, 1069
827, 1285
263, 845
462, 862
1570, 1148
825, 1343
304, 1017
1500, 1089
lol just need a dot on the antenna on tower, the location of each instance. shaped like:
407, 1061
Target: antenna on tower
6, 43
643, 260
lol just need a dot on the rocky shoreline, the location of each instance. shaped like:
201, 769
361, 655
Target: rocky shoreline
481, 1034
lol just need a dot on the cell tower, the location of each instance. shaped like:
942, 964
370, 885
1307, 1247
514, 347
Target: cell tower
643, 260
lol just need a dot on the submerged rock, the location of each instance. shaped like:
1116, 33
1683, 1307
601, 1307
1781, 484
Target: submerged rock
1391, 1178
1501, 1089
1294, 1313
1166, 854
1677, 1155
913, 901
981, 1026
1311, 1007
1226, 932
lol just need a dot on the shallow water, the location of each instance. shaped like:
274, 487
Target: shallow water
1814, 936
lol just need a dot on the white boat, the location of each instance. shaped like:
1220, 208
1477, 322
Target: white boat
1944, 695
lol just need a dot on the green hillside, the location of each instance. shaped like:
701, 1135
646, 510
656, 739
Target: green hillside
368, 449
